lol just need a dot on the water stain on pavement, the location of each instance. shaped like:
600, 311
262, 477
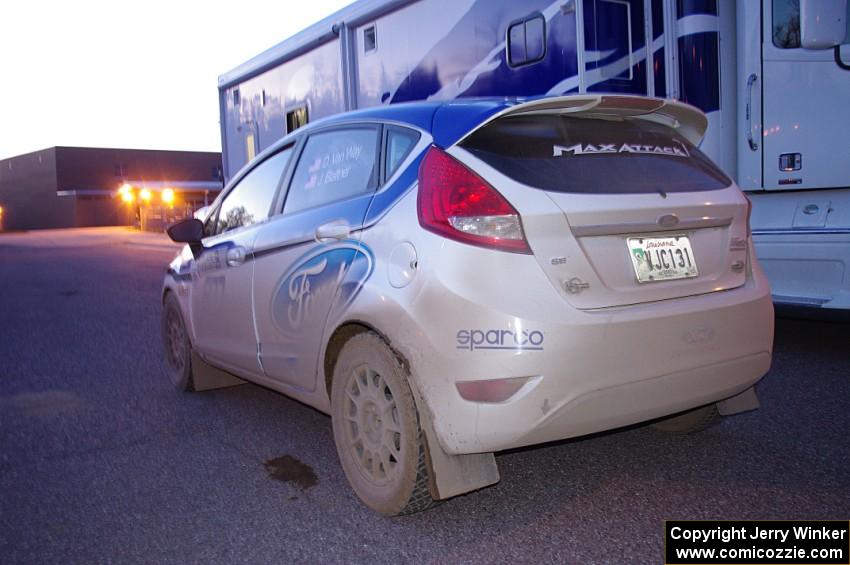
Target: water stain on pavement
290, 470
68, 293
43, 404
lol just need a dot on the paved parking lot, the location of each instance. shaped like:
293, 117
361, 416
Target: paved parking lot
100, 460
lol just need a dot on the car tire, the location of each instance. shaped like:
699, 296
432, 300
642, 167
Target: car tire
376, 428
178, 348
690, 422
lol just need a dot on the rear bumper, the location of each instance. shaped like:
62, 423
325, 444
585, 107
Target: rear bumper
597, 370
638, 401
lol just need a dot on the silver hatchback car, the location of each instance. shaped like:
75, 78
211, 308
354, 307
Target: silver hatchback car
448, 280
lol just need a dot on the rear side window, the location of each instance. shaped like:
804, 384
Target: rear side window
334, 165
399, 143
584, 155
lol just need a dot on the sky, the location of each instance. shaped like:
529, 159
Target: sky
140, 75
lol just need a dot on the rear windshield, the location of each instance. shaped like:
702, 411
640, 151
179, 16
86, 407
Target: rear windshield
586, 155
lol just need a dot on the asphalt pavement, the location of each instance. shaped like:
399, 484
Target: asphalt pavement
102, 461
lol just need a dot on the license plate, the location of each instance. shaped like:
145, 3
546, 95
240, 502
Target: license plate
662, 258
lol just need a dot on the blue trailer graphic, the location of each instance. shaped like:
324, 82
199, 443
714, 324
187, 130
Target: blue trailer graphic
367, 55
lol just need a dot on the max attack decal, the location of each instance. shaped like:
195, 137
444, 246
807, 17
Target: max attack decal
589, 149
327, 277
531, 340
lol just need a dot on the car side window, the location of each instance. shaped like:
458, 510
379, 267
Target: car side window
210, 223
250, 200
334, 165
399, 143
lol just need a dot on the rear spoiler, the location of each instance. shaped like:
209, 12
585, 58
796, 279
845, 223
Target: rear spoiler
688, 121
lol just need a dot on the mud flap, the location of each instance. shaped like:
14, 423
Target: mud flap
207, 377
451, 475
741, 402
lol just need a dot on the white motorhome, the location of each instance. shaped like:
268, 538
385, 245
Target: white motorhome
773, 76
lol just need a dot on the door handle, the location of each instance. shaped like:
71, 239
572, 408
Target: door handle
337, 229
235, 256
749, 112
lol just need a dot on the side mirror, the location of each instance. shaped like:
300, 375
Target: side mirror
190, 230
823, 23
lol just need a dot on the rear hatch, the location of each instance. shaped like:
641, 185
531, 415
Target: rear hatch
617, 203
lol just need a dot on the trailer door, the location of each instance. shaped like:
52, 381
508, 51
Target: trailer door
614, 46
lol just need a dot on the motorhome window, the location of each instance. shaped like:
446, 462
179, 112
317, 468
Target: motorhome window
516, 44
526, 42
296, 118
370, 39
250, 147
249, 202
786, 24
535, 39
236, 97
334, 165
584, 155
399, 143
613, 21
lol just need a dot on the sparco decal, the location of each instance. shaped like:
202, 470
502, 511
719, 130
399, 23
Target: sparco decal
325, 278
590, 149
531, 340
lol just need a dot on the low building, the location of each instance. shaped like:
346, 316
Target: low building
63, 187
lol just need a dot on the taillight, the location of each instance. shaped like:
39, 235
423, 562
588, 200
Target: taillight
456, 203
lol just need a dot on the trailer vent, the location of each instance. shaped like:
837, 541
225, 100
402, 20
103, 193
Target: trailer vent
370, 39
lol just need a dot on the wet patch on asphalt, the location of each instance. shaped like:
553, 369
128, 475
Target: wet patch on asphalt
44, 404
290, 470
68, 293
